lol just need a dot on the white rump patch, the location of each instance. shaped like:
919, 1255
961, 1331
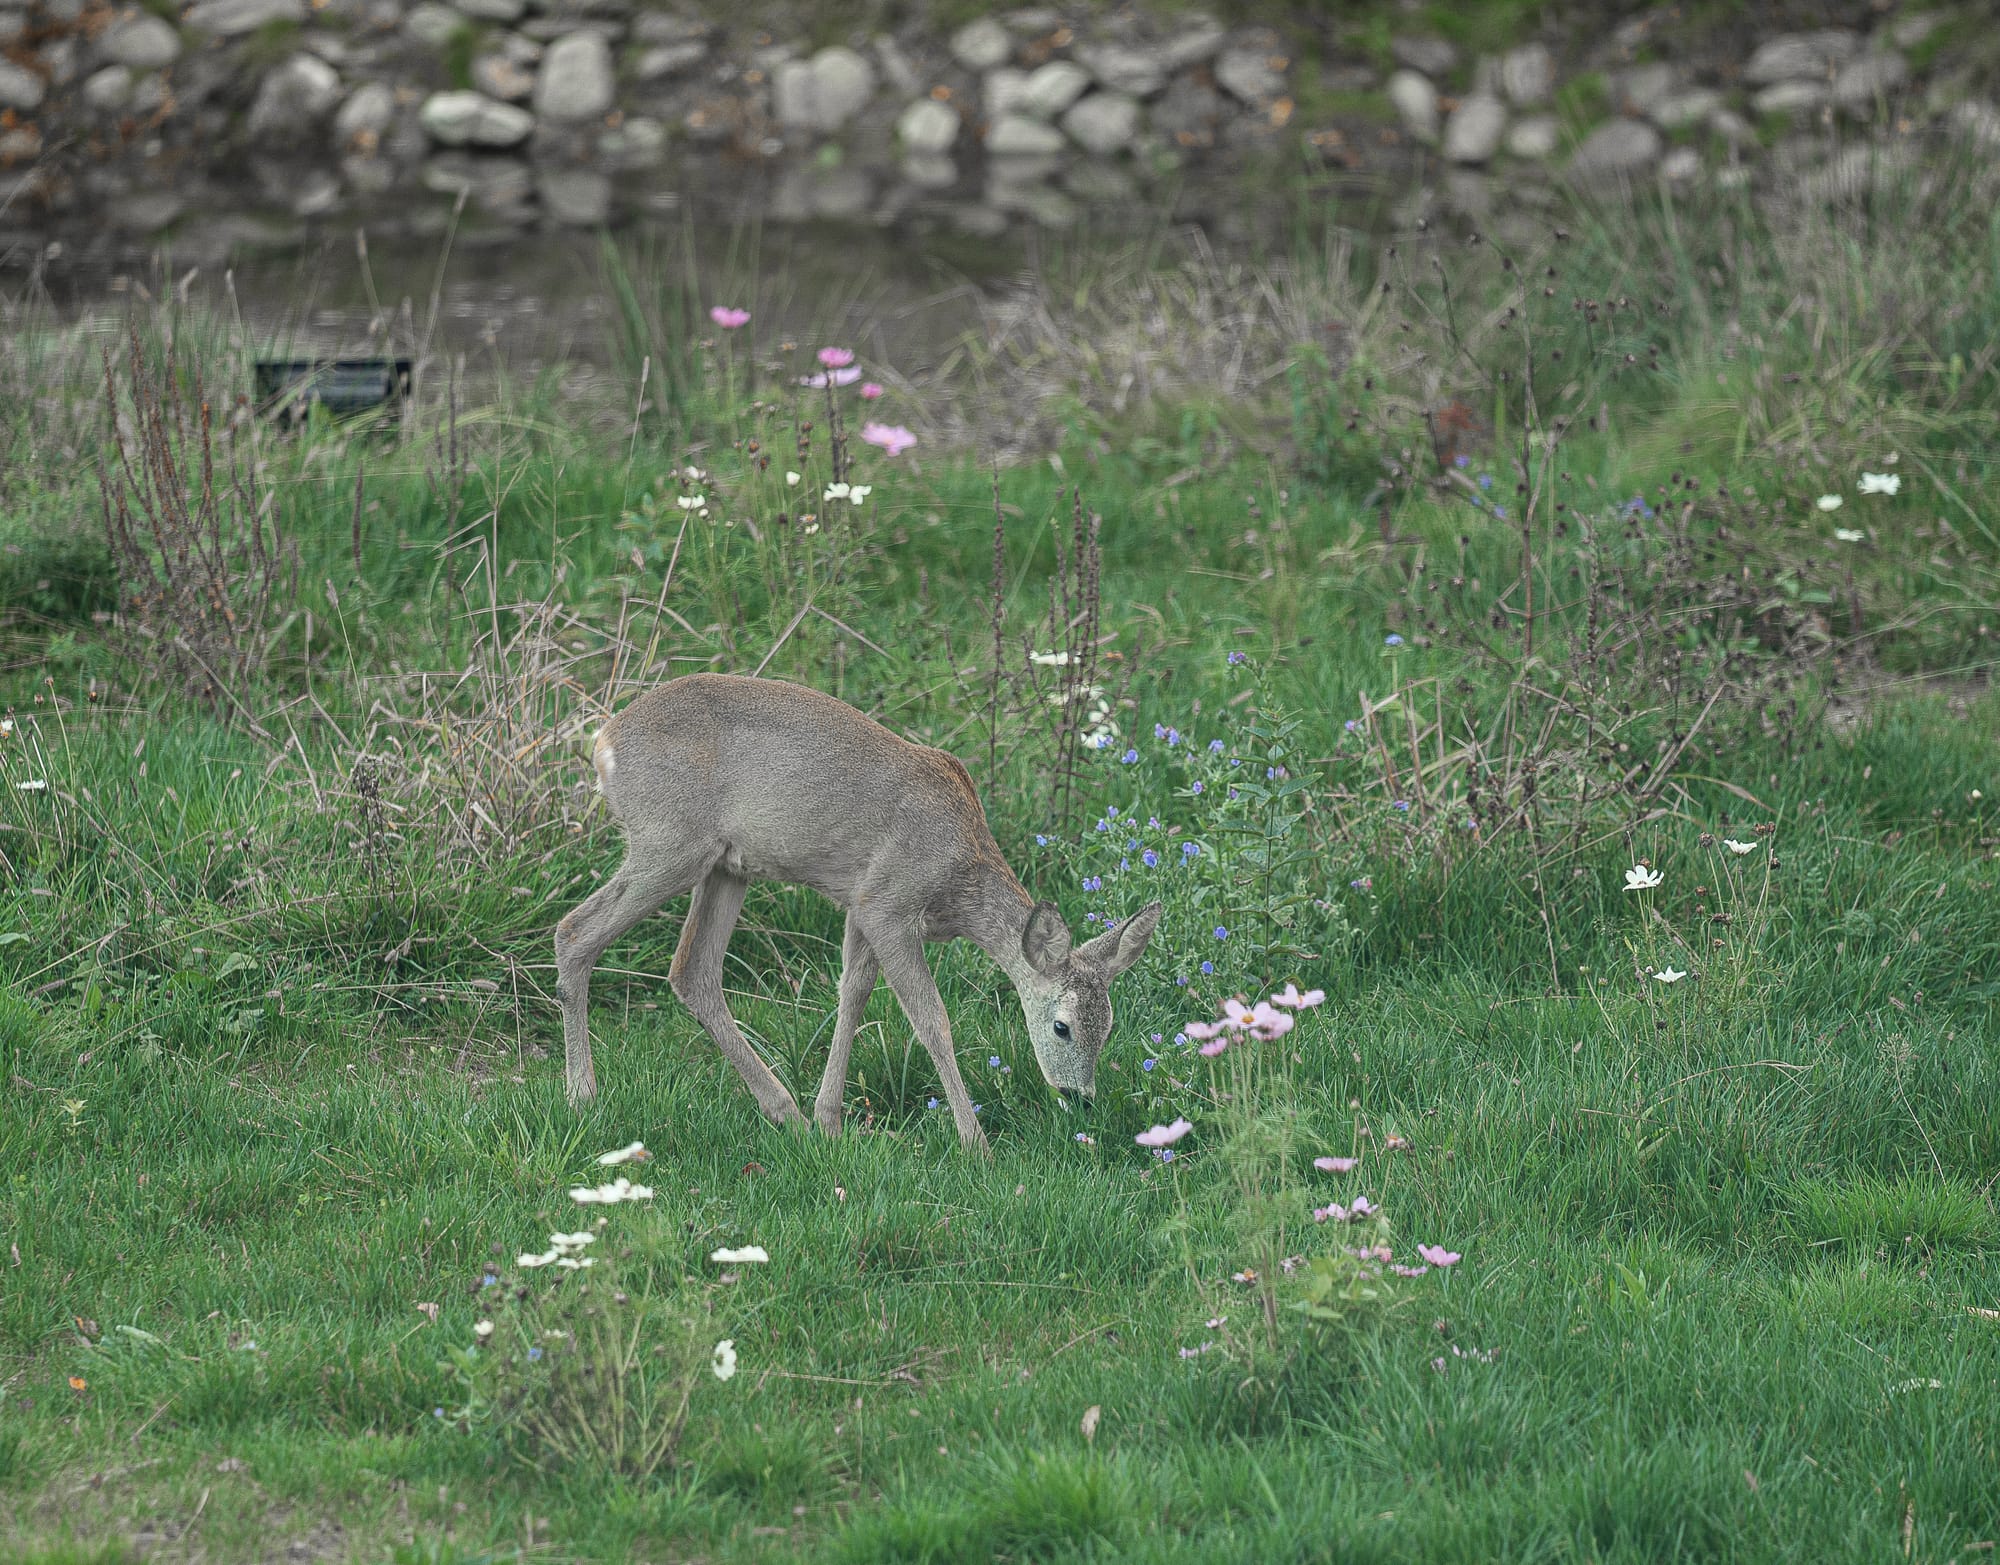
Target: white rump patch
606, 760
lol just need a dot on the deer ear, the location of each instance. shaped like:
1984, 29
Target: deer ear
1117, 949
1045, 942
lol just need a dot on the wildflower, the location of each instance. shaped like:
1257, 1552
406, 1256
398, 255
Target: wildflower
1485, 480
1238, 657
1332, 1213
1881, 483
1207, 969
724, 1360
870, 391
1129, 758
1221, 933
1049, 659
1093, 883
564, 1243
1041, 841
483, 1330
1150, 859
993, 1062
792, 479
1165, 1154
6, 728
836, 358
827, 378
1408, 1271
620, 1189
1739, 848
1641, 878
1365, 883
1210, 1050
1363, 1207
1335, 1165
1146, 1065
835, 492
1392, 641
1829, 502
749, 1255
533, 1354
692, 502
892, 438
1084, 1139
32, 785
1395, 1144
1163, 1135
1199, 786
635, 1153
1500, 511
931, 1104
1353, 725
1215, 747
1196, 1351
1668, 975
1401, 804
571, 1263
1302, 1002
1439, 1256
1849, 534
728, 317
1217, 1322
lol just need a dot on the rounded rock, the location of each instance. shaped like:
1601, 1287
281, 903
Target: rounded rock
575, 83
369, 111
1103, 124
1528, 74
292, 100
1536, 137
471, 119
1472, 134
20, 88
1017, 136
927, 128
1415, 101
140, 42
109, 90
1616, 150
982, 45
1052, 89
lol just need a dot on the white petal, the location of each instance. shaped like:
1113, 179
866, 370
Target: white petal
637, 1150
750, 1254
1829, 502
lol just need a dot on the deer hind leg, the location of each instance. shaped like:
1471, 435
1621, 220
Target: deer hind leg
857, 982
697, 978
900, 950
642, 883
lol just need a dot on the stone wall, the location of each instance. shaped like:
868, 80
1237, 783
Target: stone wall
118, 121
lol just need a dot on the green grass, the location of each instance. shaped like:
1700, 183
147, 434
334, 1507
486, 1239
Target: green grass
283, 1080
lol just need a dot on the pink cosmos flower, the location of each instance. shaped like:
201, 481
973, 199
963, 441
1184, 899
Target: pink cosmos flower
870, 390
1438, 1255
892, 438
1408, 1271
1163, 1135
1201, 1032
728, 317
825, 378
1363, 1207
1331, 1213
1296, 1001
1211, 1050
1335, 1165
836, 358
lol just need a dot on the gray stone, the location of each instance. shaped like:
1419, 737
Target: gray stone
1637, 91
67, 12
20, 88
897, 68
109, 90
1468, 192
368, 175
574, 197
1793, 97
1121, 69
504, 12
1038, 202
1248, 75
1797, 56
1103, 123
1472, 134
12, 25
433, 24
1680, 166
1528, 74
140, 42
927, 128
1017, 136
822, 93
1863, 82
929, 170
471, 119
1101, 184
575, 82
1432, 56
227, 18
500, 185
1187, 113
316, 194
1053, 88
368, 112
653, 27
499, 77
1000, 94
1536, 137
1199, 41
1732, 127
147, 212
1415, 101
982, 45
62, 60
1678, 110
637, 142
292, 99
670, 59
1976, 122
1870, 169
1615, 150
1909, 31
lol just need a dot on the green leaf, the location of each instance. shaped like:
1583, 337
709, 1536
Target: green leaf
236, 962
13, 937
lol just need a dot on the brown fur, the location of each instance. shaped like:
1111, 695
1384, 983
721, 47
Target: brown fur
720, 780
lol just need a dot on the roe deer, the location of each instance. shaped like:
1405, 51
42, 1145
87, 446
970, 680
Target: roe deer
720, 780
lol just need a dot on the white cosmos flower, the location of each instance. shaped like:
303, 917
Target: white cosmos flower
859, 492
564, 1243
1640, 878
635, 1153
1829, 502
835, 492
1049, 659
570, 1263
1738, 847
546, 1258
1849, 534
6, 728
1667, 975
33, 785
792, 479
724, 1362
483, 1330
691, 502
1881, 483
749, 1255
620, 1189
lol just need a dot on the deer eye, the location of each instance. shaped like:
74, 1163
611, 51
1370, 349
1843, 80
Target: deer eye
1062, 1029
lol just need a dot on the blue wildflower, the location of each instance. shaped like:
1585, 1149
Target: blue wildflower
1150, 859
1190, 850
533, 1354
1159, 730
1215, 747
1165, 1154
1221, 933
1173, 737
1112, 813
1500, 511
1156, 1037
1353, 725
1093, 883
1104, 825
1199, 786
1207, 968
1392, 640
1146, 1065
1130, 757
1461, 460
993, 1061
1041, 841
1401, 804
1123, 865
1485, 480
931, 1104
1237, 657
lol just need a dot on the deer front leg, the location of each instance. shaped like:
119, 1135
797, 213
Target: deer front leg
901, 953
857, 982
636, 890
696, 975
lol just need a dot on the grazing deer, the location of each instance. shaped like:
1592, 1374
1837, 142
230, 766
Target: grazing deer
720, 780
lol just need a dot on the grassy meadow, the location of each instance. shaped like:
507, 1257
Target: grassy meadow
1458, 631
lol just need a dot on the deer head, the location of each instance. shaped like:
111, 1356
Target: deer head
1066, 991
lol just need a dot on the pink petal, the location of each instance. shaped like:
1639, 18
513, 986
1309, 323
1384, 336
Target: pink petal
836, 358
728, 317
1438, 1255
1335, 1165
1211, 1050
870, 390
